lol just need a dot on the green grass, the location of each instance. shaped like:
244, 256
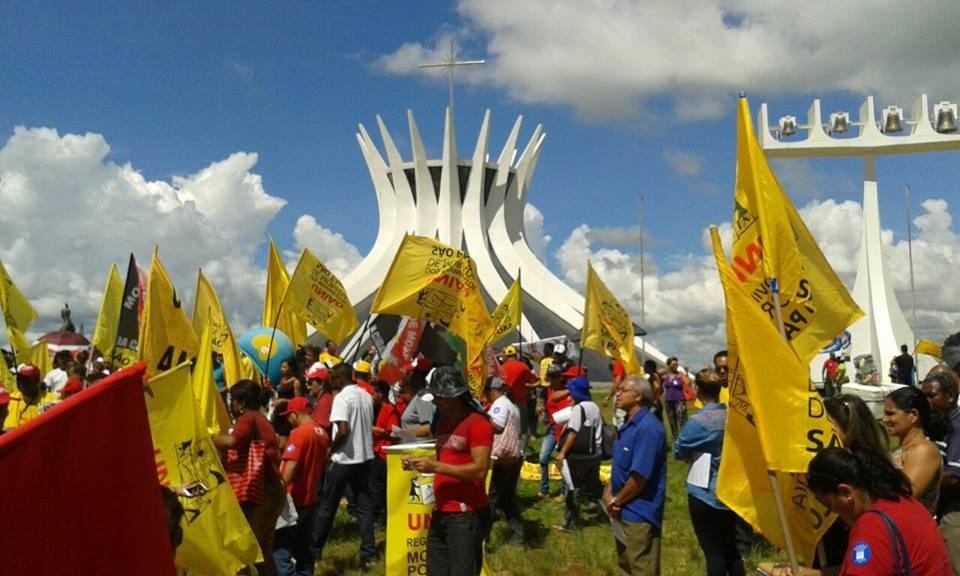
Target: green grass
546, 551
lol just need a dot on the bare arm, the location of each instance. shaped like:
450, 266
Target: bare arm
287, 471
922, 467
340, 438
224, 441
631, 489
473, 471
569, 439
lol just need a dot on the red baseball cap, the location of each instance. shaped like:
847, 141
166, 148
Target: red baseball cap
4, 396
574, 372
297, 405
28, 372
317, 372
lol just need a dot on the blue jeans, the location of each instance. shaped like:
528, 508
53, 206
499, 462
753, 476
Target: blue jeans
335, 482
546, 450
295, 544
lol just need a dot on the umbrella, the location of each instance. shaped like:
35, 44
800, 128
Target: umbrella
69, 341
256, 345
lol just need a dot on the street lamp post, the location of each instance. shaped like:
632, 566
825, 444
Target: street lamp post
883, 327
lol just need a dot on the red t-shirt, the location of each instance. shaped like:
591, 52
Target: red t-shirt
453, 447
307, 445
387, 418
619, 372
554, 406
243, 435
870, 552
516, 375
321, 411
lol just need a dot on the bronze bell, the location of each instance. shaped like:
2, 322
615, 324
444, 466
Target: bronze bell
946, 121
892, 123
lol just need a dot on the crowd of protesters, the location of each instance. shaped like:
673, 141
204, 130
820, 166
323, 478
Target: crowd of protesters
325, 426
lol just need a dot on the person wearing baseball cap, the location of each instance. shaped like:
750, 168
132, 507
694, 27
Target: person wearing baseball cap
318, 388
361, 375
461, 516
302, 465
24, 404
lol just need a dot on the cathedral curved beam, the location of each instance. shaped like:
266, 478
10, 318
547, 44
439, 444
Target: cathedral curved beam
476, 224
426, 199
449, 207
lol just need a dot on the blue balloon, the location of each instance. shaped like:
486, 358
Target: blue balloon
256, 344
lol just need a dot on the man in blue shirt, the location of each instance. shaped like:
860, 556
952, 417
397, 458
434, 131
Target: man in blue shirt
940, 388
638, 481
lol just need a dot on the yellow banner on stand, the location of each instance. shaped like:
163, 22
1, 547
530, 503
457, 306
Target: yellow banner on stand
409, 508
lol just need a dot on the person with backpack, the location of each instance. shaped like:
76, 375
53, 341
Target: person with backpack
702, 437
508, 453
580, 451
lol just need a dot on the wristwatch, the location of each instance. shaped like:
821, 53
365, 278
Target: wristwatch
613, 501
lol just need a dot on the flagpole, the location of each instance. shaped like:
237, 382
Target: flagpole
519, 326
363, 333
643, 296
913, 288
273, 333
771, 475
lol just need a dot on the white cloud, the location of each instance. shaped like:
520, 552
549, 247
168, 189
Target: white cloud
68, 211
683, 163
330, 247
604, 58
536, 237
684, 308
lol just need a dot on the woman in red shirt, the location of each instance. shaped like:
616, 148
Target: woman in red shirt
387, 417
890, 532
461, 515
251, 424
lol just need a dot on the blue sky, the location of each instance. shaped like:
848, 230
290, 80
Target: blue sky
174, 88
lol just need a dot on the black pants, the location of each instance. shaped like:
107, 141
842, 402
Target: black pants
585, 473
336, 480
378, 488
455, 542
294, 544
715, 533
503, 493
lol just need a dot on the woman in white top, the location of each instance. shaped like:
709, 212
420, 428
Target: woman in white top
581, 449
508, 453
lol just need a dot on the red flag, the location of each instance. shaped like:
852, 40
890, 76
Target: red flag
80, 491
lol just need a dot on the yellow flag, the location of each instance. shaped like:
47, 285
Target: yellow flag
105, 335
434, 282
316, 295
18, 345
17, 311
929, 348
207, 305
606, 326
166, 336
277, 282
216, 536
39, 356
210, 407
770, 240
7, 379
775, 421
508, 313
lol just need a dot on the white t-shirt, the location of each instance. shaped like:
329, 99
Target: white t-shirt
56, 379
355, 407
587, 413
503, 410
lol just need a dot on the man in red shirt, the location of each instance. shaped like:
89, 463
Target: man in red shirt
303, 462
520, 378
387, 417
461, 515
318, 387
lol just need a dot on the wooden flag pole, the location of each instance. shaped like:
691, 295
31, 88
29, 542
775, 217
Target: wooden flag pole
777, 497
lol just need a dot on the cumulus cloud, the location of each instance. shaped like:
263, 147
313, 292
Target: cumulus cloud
684, 308
536, 236
336, 253
605, 58
68, 211
683, 163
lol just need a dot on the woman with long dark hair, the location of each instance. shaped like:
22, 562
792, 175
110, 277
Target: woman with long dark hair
890, 534
854, 423
908, 417
246, 401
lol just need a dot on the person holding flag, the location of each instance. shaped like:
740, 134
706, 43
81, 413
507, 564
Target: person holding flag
24, 403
